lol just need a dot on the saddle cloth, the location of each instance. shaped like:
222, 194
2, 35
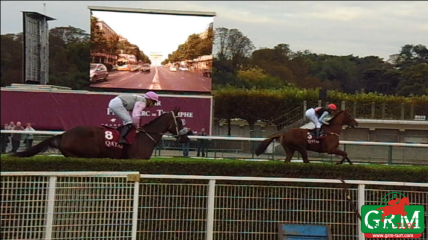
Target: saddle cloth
312, 139
312, 133
112, 136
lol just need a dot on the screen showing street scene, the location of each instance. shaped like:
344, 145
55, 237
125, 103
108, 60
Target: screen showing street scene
151, 51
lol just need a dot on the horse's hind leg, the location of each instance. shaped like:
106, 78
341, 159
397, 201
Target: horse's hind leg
290, 153
304, 154
349, 161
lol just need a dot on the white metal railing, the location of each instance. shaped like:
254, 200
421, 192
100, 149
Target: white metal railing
243, 139
127, 205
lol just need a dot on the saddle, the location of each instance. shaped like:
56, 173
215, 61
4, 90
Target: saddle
312, 133
112, 136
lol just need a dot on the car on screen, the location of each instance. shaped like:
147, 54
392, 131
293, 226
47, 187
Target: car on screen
145, 68
173, 69
207, 73
98, 72
184, 68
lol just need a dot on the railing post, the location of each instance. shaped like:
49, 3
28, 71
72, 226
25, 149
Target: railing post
372, 115
210, 210
354, 112
215, 149
252, 149
50, 209
343, 107
135, 210
273, 150
412, 112
305, 107
361, 201
319, 103
383, 110
402, 111
389, 154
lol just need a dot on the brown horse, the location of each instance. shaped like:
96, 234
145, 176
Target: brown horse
300, 139
88, 142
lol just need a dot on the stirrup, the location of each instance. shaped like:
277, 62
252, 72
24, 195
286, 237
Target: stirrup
123, 140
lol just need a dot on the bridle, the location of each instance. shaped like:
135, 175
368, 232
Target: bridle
180, 133
348, 125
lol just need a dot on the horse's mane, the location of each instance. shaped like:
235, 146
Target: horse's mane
176, 110
335, 115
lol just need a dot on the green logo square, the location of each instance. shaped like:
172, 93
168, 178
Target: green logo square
393, 219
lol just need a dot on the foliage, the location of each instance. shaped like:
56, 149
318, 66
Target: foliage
410, 55
195, 46
267, 105
238, 64
11, 59
69, 56
113, 45
415, 80
257, 78
221, 168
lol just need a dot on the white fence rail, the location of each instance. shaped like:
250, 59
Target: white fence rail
243, 139
127, 205
244, 148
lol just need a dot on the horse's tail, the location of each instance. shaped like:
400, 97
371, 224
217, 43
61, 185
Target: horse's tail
263, 145
50, 143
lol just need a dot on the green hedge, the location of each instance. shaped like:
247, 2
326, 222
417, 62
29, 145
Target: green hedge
266, 105
221, 168
293, 207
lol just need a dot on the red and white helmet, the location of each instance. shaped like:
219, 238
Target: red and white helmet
153, 96
332, 107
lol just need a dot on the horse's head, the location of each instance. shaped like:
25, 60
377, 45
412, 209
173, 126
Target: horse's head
176, 126
405, 201
344, 118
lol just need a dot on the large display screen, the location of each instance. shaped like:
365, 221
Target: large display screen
151, 51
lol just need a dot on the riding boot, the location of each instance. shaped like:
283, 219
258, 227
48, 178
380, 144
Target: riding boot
124, 133
317, 133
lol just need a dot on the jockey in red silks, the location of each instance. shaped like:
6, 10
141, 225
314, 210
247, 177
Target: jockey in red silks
317, 116
122, 104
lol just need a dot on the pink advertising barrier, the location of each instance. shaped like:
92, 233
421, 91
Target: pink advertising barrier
63, 111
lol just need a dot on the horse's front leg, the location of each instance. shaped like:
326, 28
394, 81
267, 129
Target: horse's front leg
340, 153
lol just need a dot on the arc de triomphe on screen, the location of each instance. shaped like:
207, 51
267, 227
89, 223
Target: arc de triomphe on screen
156, 58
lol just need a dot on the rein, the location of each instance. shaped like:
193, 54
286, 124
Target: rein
348, 197
141, 129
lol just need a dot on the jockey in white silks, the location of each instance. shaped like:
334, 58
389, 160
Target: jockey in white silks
317, 116
122, 104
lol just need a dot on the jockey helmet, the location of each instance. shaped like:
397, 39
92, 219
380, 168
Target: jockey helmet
332, 107
152, 95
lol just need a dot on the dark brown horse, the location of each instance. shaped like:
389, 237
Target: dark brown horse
88, 142
300, 140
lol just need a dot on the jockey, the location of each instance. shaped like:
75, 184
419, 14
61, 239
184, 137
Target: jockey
122, 104
317, 116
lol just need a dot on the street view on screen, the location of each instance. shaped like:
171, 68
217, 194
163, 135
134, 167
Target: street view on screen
151, 51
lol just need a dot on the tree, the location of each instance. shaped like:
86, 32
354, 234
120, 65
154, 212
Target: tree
410, 55
257, 78
233, 46
69, 57
415, 80
11, 59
